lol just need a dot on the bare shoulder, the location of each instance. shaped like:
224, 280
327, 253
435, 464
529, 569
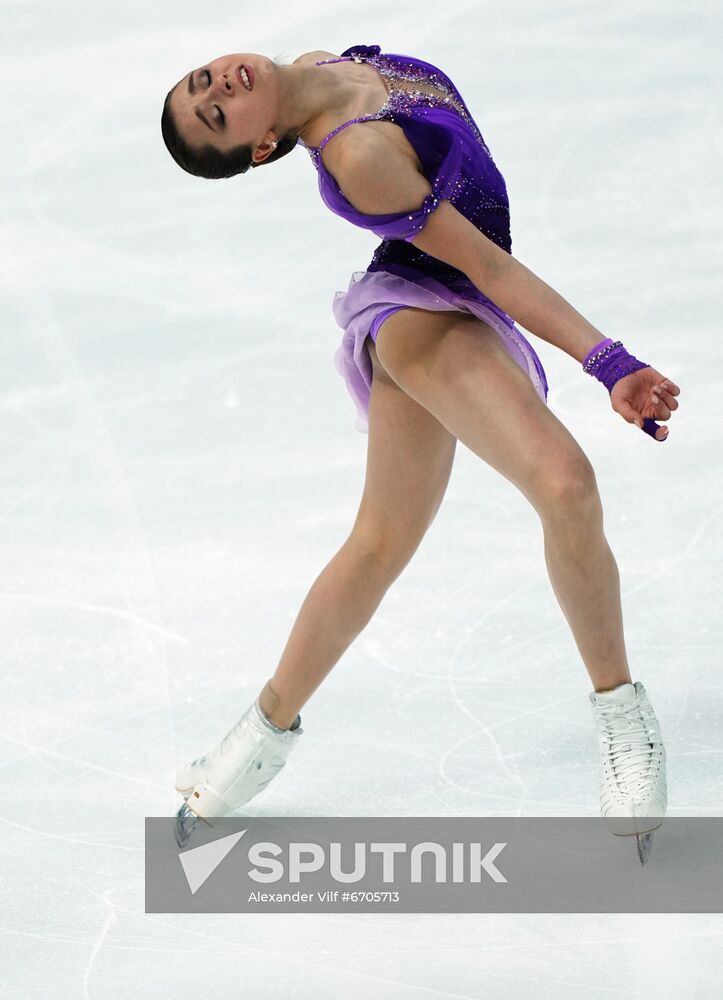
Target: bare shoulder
316, 56
376, 173
378, 176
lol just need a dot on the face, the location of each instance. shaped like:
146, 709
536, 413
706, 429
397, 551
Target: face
213, 106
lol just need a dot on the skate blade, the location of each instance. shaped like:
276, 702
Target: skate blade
185, 824
645, 846
628, 826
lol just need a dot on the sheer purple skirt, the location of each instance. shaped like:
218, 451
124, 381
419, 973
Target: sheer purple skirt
374, 295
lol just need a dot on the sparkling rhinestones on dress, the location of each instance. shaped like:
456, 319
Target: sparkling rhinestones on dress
413, 92
431, 90
417, 89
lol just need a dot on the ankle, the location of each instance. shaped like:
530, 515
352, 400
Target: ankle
275, 712
611, 681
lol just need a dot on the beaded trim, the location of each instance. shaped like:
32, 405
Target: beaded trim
401, 98
612, 363
404, 80
591, 363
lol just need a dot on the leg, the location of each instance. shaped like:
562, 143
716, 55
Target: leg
409, 461
455, 366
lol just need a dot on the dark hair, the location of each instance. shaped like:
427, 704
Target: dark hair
208, 161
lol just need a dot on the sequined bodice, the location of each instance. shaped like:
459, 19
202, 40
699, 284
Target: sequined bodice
408, 85
454, 158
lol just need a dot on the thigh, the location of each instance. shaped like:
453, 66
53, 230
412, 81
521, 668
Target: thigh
455, 366
409, 461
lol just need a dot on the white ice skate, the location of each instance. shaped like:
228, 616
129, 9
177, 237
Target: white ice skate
250, 755
633, 782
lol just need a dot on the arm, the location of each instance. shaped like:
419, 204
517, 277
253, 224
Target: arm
377, 177
513, 287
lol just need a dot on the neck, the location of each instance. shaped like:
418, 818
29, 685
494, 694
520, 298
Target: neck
308, 93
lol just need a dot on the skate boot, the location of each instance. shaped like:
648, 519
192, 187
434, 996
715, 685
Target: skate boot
633, 782
225, 778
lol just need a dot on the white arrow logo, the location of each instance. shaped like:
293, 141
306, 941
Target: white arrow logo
200, 862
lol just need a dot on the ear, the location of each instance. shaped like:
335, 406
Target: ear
266, 148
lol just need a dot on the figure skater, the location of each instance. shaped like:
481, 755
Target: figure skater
431, 355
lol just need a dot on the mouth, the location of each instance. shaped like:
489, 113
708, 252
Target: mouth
245, 76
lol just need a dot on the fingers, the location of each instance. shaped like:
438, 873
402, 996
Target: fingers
663, 400
654, 430
670, 387
660, 410
667, 397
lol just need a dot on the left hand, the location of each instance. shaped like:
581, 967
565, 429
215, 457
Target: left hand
645, 395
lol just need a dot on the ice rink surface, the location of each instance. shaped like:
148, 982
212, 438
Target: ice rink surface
179, 462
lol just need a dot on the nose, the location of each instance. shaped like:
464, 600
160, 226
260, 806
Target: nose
224, 84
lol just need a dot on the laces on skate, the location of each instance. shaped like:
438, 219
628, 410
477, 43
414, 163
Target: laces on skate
630, 746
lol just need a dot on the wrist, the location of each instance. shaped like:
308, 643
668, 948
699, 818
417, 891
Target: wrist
609, 361
594, 350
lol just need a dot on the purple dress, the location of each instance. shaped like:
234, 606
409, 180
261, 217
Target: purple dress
458, 165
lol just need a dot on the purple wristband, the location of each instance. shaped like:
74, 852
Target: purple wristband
608, 362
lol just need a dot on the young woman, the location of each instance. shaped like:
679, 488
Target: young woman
431, 355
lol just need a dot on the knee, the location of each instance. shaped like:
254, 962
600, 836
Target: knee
569, 489
382, 552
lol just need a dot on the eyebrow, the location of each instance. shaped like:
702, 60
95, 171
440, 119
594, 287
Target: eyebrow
199, 114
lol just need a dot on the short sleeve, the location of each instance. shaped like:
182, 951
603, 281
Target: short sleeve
403, 225
439, 151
